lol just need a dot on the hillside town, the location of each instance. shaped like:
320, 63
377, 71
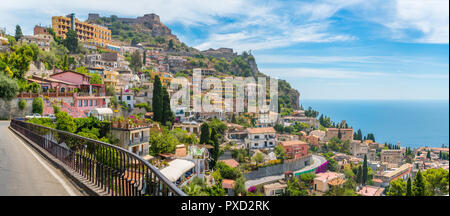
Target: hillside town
101, 79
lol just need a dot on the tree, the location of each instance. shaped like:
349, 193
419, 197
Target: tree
65, 122
239, 186
71, 41
38, 105
365, 170
168, 117
359, 175
18, 34
162, 143
428, 154
22, 104
233, 119
216, 150
157, 100
397, 188
136, 61
279, 152
205, 133
408, 187
65, 64
258, 157
436, 181
8, 88
95, 79
144, 58
419, 185
170, 44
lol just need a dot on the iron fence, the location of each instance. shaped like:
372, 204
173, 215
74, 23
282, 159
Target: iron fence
112, 169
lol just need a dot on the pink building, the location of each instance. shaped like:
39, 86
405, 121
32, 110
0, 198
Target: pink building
82, 81
295, 148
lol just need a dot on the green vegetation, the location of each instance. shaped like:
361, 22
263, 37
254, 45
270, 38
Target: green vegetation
38, 105
311, 113
432, 182
22, 104
162, 143
18, 34
8, 88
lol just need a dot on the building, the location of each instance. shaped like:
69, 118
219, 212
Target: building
39, 30
94, 34
323, 182
275, 189
126, 97
261, 138
318, 133
370, 191
358, 149
394, 156
230, 162
205, 71
295, 148
132, 136
190, 127
228, 185
312, 139
102, 114
345, 133
404, 171
179, 171
42, 41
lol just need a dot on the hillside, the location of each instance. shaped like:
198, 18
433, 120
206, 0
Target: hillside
152, 33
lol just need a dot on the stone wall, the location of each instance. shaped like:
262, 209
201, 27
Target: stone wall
279, 169
10, 109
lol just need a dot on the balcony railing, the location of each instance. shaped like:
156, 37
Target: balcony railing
138, 140
114, 170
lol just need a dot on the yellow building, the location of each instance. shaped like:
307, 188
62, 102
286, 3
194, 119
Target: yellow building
110, 78
93, 34
165, 78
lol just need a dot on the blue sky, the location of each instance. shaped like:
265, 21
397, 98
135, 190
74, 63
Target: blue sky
326, 49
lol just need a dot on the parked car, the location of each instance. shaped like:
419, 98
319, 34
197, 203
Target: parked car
50, 116
34, 115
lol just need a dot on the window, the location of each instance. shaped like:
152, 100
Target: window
128, 97
85, 102
80, 103
90, 102
95, 102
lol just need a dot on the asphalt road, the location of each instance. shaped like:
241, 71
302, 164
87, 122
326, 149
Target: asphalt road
317, 161
23, 172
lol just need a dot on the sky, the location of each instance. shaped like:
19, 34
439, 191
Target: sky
326, 49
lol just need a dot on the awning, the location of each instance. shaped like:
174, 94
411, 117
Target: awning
177, 168
102, 111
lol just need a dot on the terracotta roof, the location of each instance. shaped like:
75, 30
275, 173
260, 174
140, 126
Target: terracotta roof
337, 181
71, 72
370, 191
261, 130
293, 142
377, 180
180, 152
228, 183
231, 162
342, 129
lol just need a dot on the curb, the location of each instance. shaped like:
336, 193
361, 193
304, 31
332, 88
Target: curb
85, 187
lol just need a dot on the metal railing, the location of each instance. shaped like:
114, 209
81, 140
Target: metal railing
114, 170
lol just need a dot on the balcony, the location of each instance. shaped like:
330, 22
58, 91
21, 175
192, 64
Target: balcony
138, 140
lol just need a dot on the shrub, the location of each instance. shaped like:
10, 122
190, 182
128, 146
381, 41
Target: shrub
38, 105
22, 104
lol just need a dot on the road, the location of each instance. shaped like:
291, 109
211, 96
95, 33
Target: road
317, 161
23, 172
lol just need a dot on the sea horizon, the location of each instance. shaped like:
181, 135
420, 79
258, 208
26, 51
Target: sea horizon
412, 122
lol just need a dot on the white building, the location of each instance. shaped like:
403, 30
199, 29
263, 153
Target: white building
128, 98
261, 138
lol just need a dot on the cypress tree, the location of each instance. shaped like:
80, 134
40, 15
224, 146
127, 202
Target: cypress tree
359, 134
428, 154
157, 101
144, 60
359, 175
205, 134
168, 115
419, 185
408, 187
365, 170
215, 151
233, 119
18, 34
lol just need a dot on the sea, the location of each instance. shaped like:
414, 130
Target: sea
413, 123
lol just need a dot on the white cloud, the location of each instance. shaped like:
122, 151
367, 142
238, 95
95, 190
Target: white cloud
332, 73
